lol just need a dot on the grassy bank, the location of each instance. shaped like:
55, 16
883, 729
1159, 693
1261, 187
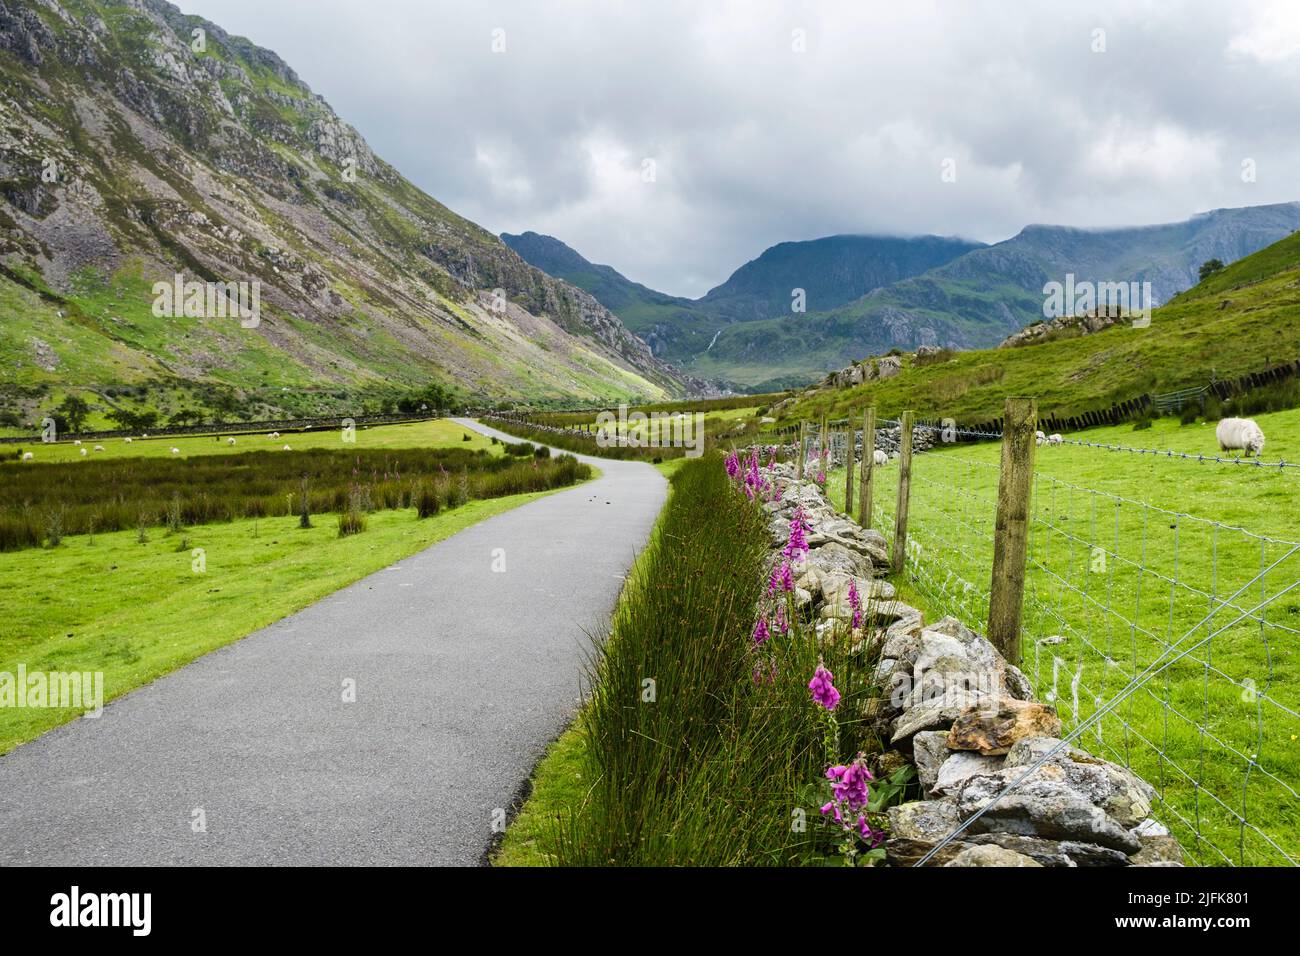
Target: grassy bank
682, 757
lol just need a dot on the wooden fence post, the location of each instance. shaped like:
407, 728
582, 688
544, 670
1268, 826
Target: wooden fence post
1011, 531
822, 445
799, 455
848, 469
904, 490
868, 466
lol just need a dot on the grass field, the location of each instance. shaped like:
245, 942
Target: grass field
438, 433
1120, 579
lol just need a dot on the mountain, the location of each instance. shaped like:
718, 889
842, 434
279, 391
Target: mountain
139, 143
832, 271
673, 327
979, 298
1236, 322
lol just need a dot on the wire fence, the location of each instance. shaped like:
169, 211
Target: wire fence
1167, 640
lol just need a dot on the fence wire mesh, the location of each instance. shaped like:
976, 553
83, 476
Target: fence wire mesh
1166, 639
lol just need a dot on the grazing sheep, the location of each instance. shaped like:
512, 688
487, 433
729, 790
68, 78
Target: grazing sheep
142, 437
176, 451
127, 440
1240, 434
230, 441
83, 452
287, 448
1039, 438
1055, 439
879, 457
77, 441
28, 456
273, 435
99, 448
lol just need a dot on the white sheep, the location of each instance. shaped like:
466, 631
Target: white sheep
273, 435
77, 441
230, 441
287, 448
1055, 439
99, 448
1240, 434
176, 451
144, 436
879, 457
28, 456
1039, 438
127, 440
83, 453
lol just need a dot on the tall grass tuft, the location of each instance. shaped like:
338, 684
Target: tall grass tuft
693, 760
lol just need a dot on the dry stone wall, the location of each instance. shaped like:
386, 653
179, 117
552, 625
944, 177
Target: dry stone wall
966, 719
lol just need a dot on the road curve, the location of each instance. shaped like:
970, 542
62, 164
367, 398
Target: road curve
462, 675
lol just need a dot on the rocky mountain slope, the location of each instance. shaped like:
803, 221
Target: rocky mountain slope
137, 143
980, 298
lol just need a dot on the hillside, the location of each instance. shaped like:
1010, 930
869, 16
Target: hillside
135, 148
981, 297
676, 329
1238, 321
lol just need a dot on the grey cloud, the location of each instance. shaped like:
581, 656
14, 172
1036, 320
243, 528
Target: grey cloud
755, 143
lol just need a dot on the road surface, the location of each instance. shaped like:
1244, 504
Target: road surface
251, 755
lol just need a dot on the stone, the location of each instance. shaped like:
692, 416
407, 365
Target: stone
993, 726
926, 821
904, 851
836, 557
1150, 827
1017, 683
1060, 853
933, 714
1045, 805
991, 856
929, 751
1158, 851
1124, 795
958, 767
1051, 641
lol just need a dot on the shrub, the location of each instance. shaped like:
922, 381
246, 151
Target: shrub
520, 449
1189, 415
541, 451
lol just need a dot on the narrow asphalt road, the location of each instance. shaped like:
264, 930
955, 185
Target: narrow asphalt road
463, 675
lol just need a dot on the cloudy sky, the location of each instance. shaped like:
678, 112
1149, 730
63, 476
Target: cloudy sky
771, 121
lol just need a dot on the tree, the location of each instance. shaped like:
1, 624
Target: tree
74, 410
1210, 267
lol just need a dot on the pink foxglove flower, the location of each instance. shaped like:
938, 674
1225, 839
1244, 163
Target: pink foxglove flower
823, 691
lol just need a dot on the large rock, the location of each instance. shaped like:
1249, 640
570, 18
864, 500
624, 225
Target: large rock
959, 767
993, 727
915, 828
933, 714
1045, 805
837, 557
991, 856
929, 751
1061, 853
1124, 795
